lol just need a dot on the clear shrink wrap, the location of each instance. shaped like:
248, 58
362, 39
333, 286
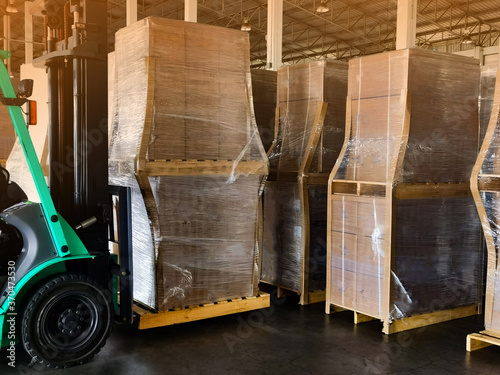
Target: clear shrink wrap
487, 91
404, 233
295, 204
264, 103
486, 190
183, 136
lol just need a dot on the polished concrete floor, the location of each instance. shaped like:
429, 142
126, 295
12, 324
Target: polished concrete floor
284, 339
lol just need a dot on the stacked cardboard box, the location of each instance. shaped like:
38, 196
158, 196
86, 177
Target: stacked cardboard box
183, 125
404, 234
295, 203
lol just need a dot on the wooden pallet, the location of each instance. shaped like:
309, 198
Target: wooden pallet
305, 298
412, 322
148, 319
483, 339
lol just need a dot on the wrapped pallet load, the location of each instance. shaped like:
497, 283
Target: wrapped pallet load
485, 188
185, 139
311, 105
404, 243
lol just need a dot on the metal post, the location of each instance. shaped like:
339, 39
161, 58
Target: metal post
191, 10
6, 41
274, 34
406, 33
131, 11
28, 33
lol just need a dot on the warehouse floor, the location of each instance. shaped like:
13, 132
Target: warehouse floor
283, 339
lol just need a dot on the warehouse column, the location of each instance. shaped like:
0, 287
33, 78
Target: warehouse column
406, 33
28, 33
191, 10
479, 54
6, 40
131, 11
274, 34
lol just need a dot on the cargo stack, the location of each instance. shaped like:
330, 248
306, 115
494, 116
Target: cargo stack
485, 188
310, 134
185, 139
404, 243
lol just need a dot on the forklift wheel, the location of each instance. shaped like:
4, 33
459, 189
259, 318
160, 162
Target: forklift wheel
67, 321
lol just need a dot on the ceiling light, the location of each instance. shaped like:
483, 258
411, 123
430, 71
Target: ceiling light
467, 40
323, 7
245, 26
11, 8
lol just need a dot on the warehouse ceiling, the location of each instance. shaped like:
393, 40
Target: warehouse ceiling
350, 28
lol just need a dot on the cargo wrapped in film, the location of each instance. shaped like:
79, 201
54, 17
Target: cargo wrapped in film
310, 134
404, 243
184, 138
486, 191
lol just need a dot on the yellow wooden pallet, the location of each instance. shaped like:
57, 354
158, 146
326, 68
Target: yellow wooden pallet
412, 322
476, 341
148, 319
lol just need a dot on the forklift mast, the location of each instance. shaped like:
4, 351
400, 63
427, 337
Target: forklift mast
76, 61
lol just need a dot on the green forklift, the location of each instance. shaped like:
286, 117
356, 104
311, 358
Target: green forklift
59, 282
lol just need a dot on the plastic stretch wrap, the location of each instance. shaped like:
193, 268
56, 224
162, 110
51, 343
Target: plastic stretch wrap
301, 91
184, 138
488, 80
402, 219
264, 102
488, 204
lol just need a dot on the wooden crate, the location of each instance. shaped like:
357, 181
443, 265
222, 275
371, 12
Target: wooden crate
309, 136
184, 137
404, 242
485, 186
264, 103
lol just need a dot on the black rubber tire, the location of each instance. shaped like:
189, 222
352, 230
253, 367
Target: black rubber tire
67, 321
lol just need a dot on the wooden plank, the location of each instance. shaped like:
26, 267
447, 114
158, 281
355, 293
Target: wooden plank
432, 190
142, 177
312, 144
489, 183
417, 321
197, 312
336, 309
476, 341
318, 178
394, 176
204, 167
362, 318
329, 245
282, 292
315, 297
